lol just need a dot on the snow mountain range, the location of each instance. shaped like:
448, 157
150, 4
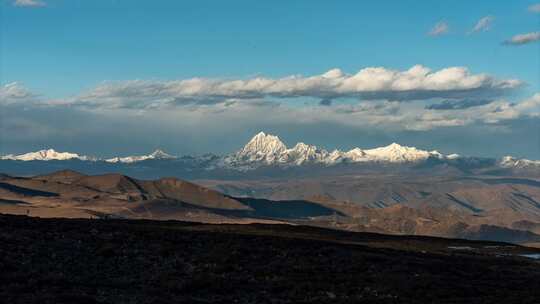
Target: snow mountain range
266, 150
157, 154
47, 154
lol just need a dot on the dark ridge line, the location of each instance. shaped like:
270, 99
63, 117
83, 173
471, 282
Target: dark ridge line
506, 180
463, 204
12, 202
26, 191
529, 199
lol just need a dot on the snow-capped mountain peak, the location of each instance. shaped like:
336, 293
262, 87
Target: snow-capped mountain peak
46, 154
354, 154
160, 154
453, 156
304, 149
512, 162
302, 153
264, 143
157, 154
262, 147
265, 149
397, 153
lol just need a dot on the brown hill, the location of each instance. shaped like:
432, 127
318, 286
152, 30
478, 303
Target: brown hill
472, 208
498, 199
63, 176
110, 183
71, 194
175, 189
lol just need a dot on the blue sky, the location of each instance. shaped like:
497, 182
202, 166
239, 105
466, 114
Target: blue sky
64, 48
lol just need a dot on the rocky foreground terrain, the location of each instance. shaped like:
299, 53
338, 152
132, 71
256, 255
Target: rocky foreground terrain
142, 261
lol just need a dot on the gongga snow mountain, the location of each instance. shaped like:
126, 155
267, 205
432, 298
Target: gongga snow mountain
269, 150
266, 151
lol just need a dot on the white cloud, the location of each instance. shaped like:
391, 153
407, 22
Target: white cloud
369, 115
238, 113
523, 38
535, 8
258, 100
385, 115
531, 104
483, 25
15, 92
411, 116
439, 29
500, 111
29, 3
374, 83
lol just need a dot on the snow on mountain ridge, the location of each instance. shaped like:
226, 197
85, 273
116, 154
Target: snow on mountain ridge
157, 154
266, 149
262, 148
302, 153
512, 162
51, 154
396, 153
45, 155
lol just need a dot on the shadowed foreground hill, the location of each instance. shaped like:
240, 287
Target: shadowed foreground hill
71, 194
121, 261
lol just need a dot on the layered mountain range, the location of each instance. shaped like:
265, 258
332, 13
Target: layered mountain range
269, 150
489, 209
391, 189
45, 155
266, 151
157, 154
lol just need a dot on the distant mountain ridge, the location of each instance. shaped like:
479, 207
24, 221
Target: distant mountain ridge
45, 155
157, 154
267, 150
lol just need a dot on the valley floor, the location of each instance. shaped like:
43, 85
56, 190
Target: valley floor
141, 261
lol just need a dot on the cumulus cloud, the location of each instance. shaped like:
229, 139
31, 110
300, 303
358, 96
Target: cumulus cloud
15, 92
532, 103
375, 83
411, 116
523, 39
534, 8
374, 115
396, 116
499, 111
439, 29
369, 102
483, 25
29, 3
